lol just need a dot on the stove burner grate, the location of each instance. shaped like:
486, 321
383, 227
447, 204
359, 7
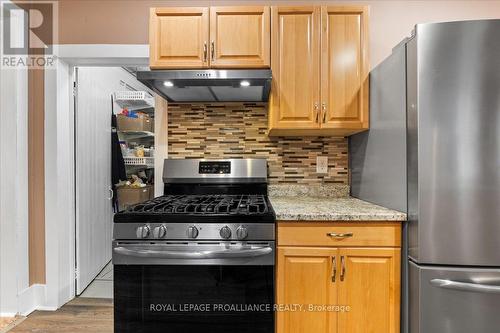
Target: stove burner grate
204, 205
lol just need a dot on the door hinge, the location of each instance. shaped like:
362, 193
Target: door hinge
74, 89
76, 273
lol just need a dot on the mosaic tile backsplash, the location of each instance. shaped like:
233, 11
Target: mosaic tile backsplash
239, 131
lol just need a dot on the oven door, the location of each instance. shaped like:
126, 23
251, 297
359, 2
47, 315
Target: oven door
194, 287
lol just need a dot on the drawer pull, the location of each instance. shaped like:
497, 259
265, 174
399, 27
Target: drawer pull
342, 269
334, 269
340, 235
213, 51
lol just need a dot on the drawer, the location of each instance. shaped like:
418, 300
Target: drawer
337, 234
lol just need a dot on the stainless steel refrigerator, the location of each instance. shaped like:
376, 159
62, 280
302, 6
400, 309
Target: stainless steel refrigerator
433, 151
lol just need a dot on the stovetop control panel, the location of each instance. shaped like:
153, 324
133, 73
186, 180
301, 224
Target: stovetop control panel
215, 167
194, 231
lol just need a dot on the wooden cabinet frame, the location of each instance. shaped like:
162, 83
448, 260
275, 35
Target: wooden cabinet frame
324, 119
360, 268
328, 118
324, 289
260, 58
277, 117
213, 48
365, 259
198, 60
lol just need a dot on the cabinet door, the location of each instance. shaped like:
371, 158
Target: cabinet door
305, 276
178, 37
295, 44
369, 282
240, 37
344, 62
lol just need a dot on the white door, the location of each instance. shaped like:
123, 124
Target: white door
94, 213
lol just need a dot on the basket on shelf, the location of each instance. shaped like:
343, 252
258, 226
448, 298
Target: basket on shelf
133, 100
139, 161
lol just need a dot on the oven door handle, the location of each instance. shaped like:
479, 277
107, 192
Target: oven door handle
145, 253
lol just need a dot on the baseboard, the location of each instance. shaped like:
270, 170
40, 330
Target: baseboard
46, 308
7, 314
31, 299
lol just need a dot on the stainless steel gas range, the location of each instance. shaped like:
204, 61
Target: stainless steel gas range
201, 257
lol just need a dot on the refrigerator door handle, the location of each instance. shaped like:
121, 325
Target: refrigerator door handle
464, 286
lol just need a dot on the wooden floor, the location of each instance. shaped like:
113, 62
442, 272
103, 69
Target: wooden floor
6, 322
78, 316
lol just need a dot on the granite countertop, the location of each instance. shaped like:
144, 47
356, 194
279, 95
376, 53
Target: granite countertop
321, 208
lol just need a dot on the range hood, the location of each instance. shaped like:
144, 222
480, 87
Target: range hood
234, 85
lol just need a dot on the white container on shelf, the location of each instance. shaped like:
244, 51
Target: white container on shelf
134, 100
139, 161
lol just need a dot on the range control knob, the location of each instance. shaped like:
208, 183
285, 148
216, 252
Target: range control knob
160, 232
142, 232
192, 232
241, 232
225, 232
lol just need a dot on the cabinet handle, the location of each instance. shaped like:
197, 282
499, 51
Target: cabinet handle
205, 52
340, 235
323, 106
334, 268
342, 268
213, 51
316, 110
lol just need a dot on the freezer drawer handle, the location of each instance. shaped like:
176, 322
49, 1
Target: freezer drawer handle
337, 235
464, 286
145, 253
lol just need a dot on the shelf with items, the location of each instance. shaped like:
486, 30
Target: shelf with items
134, 100
137, 156
132, 135
139, 161
134, 121
128, 195
135, 129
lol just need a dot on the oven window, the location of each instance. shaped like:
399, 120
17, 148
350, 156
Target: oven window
188, 299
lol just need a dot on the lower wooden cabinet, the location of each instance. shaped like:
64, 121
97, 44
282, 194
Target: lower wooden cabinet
303, 278
370, 286
337, 289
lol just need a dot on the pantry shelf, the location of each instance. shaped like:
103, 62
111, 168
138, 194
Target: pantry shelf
134, 100
136, 134
139, 161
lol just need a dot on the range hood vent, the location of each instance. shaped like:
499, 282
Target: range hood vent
182, 86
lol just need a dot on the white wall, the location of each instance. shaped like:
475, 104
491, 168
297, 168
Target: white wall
59, 189
15, 294
89, 22
9, 225
59, 166
391, 21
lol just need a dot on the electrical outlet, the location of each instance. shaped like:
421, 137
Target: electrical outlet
322, 164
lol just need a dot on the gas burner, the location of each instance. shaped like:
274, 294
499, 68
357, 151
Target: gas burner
203, 205
199, 192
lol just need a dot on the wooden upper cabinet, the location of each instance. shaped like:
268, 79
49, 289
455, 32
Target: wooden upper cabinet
215, 37
240, 37
295, 62
305, 277
370, 285
320, 70
344, 67
178, 37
